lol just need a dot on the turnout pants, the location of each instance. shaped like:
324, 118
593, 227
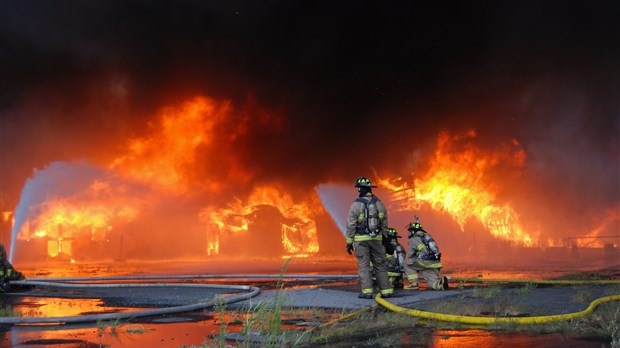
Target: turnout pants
430, 275
372, 251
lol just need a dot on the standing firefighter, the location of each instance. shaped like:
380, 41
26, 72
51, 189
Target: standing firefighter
7, 272
423, 256
366, 228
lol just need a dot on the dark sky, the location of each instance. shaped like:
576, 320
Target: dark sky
360, 84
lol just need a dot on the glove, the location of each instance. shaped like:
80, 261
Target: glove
350, 249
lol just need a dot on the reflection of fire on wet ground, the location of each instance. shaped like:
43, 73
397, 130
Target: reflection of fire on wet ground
36, 303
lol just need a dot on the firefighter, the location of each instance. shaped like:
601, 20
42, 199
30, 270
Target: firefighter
7, 272
423, 256
395, 254
366, 228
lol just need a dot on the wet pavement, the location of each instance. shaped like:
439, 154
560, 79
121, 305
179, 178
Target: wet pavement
192, 329
345, 297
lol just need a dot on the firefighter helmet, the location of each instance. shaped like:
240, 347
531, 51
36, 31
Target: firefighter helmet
392, 233
415, 227
363, 181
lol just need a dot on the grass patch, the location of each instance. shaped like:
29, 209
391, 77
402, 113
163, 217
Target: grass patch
581, 295
526, 289
262, 322
487, 292
220, 307
377, 327
8, 311
585, 276
497, 307
137, 329
603, 323
112, 325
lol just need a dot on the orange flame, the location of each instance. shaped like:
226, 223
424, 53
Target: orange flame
165, 159
458, 183
90, 212
166, 162
296, 220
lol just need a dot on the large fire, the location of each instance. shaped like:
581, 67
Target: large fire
161, 168
459, 182
187, 172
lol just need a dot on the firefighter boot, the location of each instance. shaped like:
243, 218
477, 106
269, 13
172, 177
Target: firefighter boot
444, 283
411, 286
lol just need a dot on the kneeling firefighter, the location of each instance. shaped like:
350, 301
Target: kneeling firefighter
395, 254
423, 256
7, 272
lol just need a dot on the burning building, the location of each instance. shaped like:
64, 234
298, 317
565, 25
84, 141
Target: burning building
148, 203
232, 129
144, 204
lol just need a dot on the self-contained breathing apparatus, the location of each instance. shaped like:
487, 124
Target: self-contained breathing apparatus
366, 230
434, 254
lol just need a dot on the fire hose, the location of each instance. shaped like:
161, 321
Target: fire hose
476, 320
251, 292
69, 282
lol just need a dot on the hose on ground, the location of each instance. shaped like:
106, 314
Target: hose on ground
538, 281
507, 320
69, 282
198, 276
252, 292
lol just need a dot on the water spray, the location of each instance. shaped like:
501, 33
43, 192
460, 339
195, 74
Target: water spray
333, 198
59, 179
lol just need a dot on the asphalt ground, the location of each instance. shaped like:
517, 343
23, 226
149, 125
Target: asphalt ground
341, 294
539, 300
324, 293
332, 292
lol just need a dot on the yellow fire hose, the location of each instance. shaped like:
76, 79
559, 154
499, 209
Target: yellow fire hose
540, 281
514, 320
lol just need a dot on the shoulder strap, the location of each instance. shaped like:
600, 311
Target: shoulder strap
366, 203
429, 242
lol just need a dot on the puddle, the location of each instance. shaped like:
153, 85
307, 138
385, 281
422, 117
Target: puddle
196, 333
189, 329
489, 339
62, 307
110, 335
